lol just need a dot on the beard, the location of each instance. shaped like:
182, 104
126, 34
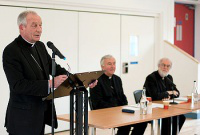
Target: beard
162, 74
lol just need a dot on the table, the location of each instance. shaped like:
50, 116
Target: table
114, 117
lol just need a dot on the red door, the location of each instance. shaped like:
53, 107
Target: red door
184, 30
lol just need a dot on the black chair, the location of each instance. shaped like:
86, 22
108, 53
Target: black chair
93, 132
92, 108
90, 103
137, 95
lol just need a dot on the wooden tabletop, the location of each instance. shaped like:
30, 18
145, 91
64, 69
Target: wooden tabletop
114, 117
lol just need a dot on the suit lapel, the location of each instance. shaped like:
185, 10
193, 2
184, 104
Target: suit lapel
116, 86
31, 61
43, 59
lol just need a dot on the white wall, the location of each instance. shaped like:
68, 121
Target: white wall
161, 9
102, 37
197, 33
164, 9
185, 69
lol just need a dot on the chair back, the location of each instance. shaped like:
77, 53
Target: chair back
90, 103
137, 95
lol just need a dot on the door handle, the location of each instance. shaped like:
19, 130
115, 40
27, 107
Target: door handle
125, 68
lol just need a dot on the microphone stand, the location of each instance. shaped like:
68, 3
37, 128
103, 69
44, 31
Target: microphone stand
174, 103
55, 51
53, 75
173, 85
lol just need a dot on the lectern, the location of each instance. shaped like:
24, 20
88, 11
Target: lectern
75, 86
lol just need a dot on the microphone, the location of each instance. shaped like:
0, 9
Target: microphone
55, 50
173, 85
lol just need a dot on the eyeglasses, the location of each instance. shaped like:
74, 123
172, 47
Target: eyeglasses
163, 65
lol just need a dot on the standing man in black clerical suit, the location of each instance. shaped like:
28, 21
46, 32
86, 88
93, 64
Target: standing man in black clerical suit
159, 85
109, 93
27, 66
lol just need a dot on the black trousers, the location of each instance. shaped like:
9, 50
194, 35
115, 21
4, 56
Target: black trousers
166, 125
139, 129
41, 133
43, 126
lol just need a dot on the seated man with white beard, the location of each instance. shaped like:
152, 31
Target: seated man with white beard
159, 85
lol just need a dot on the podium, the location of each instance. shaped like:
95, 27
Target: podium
75, 86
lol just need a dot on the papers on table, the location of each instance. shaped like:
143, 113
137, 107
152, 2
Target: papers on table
155, 105
133, 107
181, 99
137, 106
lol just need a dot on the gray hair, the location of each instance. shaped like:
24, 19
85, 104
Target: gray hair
105, 57
160, 61
22, 17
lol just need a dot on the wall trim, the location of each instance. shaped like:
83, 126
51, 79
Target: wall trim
81, 7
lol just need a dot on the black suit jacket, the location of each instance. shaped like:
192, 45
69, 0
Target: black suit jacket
102, 97
26, 111
157, 88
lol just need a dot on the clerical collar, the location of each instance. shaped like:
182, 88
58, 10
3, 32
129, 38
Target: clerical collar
32, 44
109, 77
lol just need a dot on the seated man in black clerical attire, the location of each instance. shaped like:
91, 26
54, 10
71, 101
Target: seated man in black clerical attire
109, 93
159, 85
